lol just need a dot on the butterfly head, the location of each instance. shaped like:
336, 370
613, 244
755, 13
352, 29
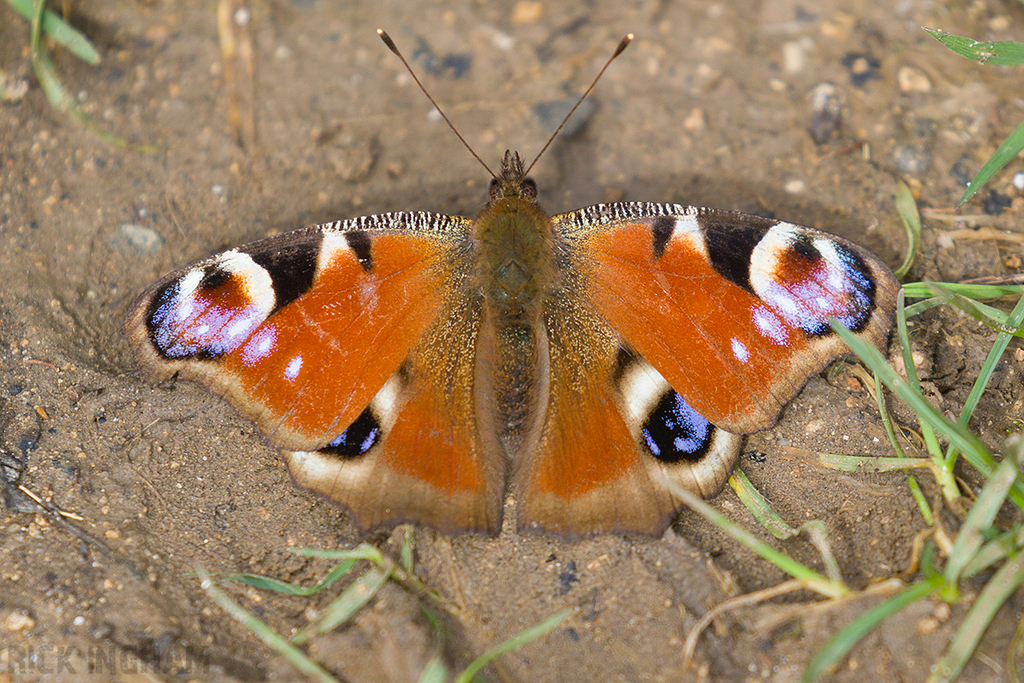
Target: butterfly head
512, 182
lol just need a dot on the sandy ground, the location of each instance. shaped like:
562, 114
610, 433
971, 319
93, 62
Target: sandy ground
711, 105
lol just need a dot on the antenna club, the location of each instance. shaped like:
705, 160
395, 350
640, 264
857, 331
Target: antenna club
387, 40
623, 44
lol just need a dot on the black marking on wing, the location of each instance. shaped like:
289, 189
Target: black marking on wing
730, 243
358, 439
214, 277
661, 230
674, 432
360, 244
291, 266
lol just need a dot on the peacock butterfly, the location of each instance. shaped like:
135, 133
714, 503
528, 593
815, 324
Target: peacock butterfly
419, 367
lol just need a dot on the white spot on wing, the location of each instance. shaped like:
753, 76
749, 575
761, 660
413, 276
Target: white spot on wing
291, 371
688, 230
187, 286
641, 386
332, 247
740, 351
771, 326
385, 403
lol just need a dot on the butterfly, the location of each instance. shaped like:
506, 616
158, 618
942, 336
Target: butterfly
420, 367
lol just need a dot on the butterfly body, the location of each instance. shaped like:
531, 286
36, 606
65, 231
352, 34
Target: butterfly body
420, 367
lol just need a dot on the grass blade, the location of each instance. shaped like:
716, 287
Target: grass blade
759, 507
815, 581
906, 207
294, 655
512, 643
341, 609
996, 591
839, 645
1002, 53
265, 583
1010, 148
64, 33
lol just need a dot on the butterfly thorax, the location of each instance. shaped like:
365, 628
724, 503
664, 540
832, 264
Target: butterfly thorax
515, 241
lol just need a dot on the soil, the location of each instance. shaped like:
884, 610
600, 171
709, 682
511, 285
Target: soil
711, 105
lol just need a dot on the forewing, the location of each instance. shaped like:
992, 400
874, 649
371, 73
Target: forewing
299, 332
731, 309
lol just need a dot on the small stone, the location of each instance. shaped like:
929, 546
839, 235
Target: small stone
795, 186
826, 113
912, 160
695, 121
862, 67
912, 79
794, 57
527, 12
138, 238
19, 620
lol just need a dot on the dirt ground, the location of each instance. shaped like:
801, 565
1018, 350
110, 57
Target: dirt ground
711, 105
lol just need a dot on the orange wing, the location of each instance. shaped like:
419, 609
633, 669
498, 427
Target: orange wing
731, 309
677, 330
613, 431
323, 337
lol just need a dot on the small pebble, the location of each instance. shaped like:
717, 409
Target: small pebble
140, 238
19, 620
794, 57
1018, 180
695, 121
911, 79
862, 67
826, 113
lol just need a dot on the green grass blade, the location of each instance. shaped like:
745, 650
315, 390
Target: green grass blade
947, 481
1002, 53
996, 591
265, 583
298, 659
868, 464
64, 33
973, 449
56, 93
434, 672
992, 552
512, 643
815, 581
906, 207
971, 534
988, 368
759, 507
341, 609
839, 645
922, 290
991, 317
363, 551
1010, 148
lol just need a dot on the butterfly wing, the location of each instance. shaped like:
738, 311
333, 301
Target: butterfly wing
678, 330
323, 337
613, 430
731, 309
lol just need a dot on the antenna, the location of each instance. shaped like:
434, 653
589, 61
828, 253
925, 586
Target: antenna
623, 44
394, 48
